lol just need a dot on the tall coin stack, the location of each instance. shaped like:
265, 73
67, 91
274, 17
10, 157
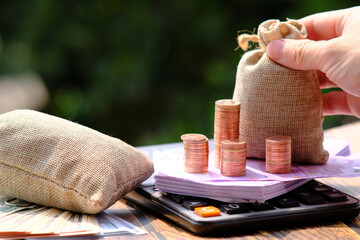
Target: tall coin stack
278, 154
196, 153
233, 158
227, 115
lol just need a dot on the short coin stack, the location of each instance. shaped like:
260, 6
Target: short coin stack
233, 158
227, 115
196, 153
278, 154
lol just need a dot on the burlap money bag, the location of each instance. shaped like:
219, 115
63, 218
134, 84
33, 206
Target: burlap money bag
55, 162
276, 100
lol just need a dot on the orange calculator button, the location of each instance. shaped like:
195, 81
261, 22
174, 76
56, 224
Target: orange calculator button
208, 211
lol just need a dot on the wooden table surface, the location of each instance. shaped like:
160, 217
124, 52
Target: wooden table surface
158, 228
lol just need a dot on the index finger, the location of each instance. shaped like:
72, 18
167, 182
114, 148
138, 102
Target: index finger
325, 25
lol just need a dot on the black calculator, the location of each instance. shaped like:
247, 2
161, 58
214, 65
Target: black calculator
313, 202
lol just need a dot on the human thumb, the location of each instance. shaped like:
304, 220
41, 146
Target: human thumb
297, 54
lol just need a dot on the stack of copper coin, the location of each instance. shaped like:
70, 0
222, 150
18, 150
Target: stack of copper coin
233, 158
227, 115
278, 154
196, 153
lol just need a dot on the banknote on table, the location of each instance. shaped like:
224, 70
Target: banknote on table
110, 224
6, 208
80, 224
103, 225
51, 223
75, 225
21, 219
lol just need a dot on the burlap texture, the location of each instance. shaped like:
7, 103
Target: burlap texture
58, 163
276, 100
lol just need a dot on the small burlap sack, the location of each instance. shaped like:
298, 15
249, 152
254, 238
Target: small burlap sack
54, 162
276, 100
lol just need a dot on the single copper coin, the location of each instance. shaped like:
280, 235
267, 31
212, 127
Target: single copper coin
279, 139
227, 104
233, 143
193, 137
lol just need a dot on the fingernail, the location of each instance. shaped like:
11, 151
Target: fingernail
275, 49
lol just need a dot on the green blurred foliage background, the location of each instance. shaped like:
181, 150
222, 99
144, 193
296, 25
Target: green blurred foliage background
142, 71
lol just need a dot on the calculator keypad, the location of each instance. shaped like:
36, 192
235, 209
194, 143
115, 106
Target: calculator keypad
192, 204
312, 193
207, 211
334, 196
285, 201
308, 197
261, 206
234, 208
178, 198
311, 202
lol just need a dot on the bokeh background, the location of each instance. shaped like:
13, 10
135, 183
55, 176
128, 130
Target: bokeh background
142, 71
